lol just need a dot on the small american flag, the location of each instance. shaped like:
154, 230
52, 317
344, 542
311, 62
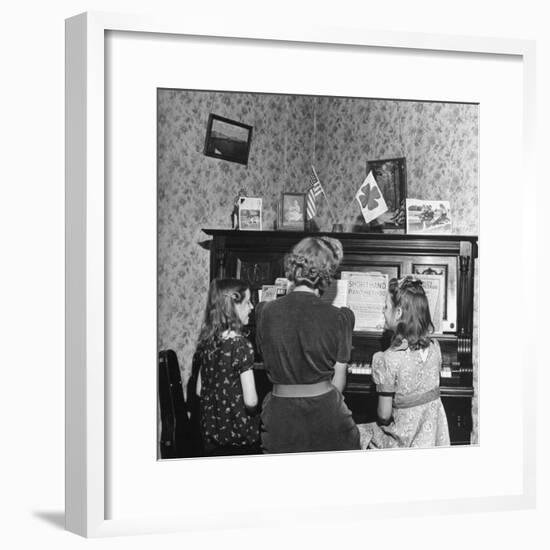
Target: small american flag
314, 191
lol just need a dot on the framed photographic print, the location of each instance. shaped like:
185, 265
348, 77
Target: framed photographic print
292, 212
391, 177
250, 214
442, 270
227, 139
430, 217
115, 65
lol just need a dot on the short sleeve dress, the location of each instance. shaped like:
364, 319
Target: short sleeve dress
300, 338
419, 418
224, 420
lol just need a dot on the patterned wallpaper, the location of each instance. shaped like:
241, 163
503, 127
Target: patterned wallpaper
439, 142
337, 135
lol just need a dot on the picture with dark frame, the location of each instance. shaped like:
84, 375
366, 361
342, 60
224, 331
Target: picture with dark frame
435, 269
227, 139
292, 211
391, 177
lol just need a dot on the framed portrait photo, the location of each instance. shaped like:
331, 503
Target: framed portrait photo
250, 213
117, 249
292, 212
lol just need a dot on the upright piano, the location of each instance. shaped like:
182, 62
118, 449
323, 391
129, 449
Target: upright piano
258, 258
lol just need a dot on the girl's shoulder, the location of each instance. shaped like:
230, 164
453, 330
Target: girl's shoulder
397, 350
232, 335
404, 346
395, 355
235, 339
204, 346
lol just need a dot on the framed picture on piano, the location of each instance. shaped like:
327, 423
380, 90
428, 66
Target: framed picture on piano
442, 271
292, 212
391, 177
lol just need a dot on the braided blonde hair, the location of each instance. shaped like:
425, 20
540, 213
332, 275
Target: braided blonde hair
313, 262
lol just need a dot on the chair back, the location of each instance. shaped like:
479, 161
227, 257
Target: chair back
175, 425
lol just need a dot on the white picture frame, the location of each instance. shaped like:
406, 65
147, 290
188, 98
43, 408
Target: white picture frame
250, 214
89, 511
428, 217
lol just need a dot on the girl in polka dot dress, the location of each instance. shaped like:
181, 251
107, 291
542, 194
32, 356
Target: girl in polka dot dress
222, 365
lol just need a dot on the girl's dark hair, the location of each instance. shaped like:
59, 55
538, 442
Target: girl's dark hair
313, 262
416, 322
220, 314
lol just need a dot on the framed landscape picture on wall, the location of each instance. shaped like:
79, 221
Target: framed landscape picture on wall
227, 139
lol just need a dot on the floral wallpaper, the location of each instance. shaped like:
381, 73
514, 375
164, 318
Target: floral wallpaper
438, 140
337, 135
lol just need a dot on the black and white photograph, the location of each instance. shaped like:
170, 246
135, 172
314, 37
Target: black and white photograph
245, 372
425, 216
250, 213
391, 177
292, 212
122, 246
441, 271
227, 139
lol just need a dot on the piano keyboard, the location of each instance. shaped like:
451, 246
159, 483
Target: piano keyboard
365, 368
359, 368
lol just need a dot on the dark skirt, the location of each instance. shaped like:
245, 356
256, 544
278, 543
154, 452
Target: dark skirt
299, 424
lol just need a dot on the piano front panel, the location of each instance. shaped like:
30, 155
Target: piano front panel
258, 257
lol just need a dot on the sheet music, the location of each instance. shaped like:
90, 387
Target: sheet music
337, 293
366, 298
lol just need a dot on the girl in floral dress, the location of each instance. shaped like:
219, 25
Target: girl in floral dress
410, 412
222, 366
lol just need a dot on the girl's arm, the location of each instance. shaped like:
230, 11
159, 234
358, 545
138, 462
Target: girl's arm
340, 375
384, 410
250, 396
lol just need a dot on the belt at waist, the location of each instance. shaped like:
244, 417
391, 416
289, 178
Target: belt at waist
301, 390
408, 401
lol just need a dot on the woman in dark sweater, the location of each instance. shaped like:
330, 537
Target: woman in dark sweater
306, 344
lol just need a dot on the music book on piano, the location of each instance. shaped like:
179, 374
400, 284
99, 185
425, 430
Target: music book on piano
364, 293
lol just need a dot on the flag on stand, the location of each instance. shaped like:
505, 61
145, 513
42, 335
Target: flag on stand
370, 199
314, 191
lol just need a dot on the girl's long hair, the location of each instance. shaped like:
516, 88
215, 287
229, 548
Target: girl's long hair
415, 324
220, 313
